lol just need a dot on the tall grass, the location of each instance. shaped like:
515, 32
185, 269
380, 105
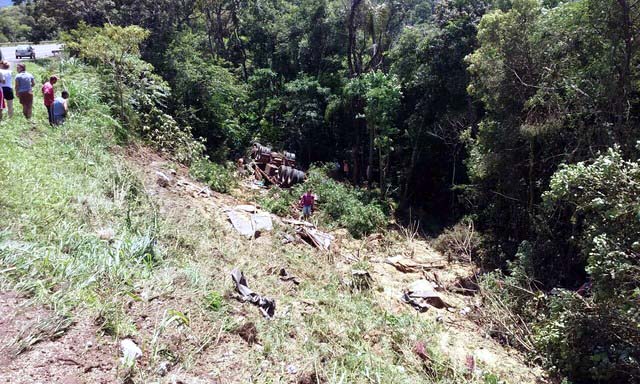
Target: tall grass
62, 190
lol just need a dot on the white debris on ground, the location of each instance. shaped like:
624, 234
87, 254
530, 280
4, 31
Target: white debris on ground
130, 352
249, 221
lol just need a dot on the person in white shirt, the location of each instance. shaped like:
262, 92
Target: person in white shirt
5, 84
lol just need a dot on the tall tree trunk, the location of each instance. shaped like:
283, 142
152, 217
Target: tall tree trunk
381, 171
354, 67
372, 136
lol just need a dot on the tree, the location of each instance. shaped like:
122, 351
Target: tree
118, 50
208, 96
381, 96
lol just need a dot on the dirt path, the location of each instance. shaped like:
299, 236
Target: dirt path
38, 347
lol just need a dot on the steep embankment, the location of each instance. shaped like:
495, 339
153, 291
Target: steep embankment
94, 250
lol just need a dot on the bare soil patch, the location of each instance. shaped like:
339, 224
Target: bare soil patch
71, 356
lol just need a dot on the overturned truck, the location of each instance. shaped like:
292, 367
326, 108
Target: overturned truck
274, 167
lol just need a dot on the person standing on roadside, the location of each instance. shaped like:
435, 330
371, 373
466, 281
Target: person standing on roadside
49, 96
24, 89
6, 87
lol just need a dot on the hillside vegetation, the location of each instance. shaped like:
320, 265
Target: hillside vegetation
506, 131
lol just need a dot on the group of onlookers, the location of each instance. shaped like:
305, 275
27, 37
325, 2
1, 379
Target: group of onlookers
24, 82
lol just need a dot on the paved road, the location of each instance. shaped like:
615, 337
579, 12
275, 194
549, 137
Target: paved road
42, 51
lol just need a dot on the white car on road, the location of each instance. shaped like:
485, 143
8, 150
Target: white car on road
25, 51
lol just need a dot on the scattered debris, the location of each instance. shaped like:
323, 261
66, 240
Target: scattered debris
242, 223
130, 352
405, 265
267, 306
248, 332
163, 180
465, 285
195, 189
285, 276
351, 258
298, 222
361, 280
315, 237
106, 234
286, 238
291, 369
246, 208
261, 222
465, 311
249, 224
422, 295
163, 368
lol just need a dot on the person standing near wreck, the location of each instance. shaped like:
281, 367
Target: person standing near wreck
306, 202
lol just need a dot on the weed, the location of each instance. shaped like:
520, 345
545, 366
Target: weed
213, 301
220, 177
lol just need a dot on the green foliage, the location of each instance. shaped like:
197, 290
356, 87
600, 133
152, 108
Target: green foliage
591, 338
15, 25
207, 96
381, 95
344, 206
213, 301
595, 338
278, 201
138, 95
220, 177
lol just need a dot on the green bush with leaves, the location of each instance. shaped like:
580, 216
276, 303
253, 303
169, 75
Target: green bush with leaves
220, 177
338, 205
596, 338
590, 336
278, 201
137, 95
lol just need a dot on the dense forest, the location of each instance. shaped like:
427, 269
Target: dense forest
519, 116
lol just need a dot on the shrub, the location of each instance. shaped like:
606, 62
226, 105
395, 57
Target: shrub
136, 95
339, 205
343, 205
591, 336
511, 303
220, 177
460, 242
278, 201
213, 301
595, 338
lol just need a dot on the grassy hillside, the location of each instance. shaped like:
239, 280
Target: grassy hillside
62, 189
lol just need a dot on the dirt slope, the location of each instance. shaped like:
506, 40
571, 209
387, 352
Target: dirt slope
192, 329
